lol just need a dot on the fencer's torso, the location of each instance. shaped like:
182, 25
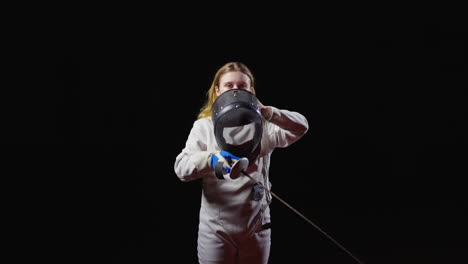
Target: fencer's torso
229, 204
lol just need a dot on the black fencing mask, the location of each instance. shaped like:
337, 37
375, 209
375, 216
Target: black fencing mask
238, 124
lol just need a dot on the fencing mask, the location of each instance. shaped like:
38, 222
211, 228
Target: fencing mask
238, 124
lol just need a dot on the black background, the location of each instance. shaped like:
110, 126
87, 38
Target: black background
99, 108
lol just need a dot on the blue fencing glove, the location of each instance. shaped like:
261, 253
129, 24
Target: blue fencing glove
227, 165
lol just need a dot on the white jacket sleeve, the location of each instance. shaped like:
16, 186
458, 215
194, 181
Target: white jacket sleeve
193, 162
289, 127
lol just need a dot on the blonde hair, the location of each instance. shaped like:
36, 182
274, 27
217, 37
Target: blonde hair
205, 111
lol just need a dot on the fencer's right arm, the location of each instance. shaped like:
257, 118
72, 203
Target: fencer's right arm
194, 160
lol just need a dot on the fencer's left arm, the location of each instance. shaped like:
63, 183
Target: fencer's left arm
293, 125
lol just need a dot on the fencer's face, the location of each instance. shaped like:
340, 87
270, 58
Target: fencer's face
233, 80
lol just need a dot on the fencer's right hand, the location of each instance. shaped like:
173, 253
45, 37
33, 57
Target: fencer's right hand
226, 163
225, 157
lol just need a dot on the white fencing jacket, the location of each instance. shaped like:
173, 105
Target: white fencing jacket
228, 204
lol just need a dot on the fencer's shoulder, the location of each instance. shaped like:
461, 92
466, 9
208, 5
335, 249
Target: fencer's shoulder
203, 122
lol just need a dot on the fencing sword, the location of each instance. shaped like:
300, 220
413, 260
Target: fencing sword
240, 169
